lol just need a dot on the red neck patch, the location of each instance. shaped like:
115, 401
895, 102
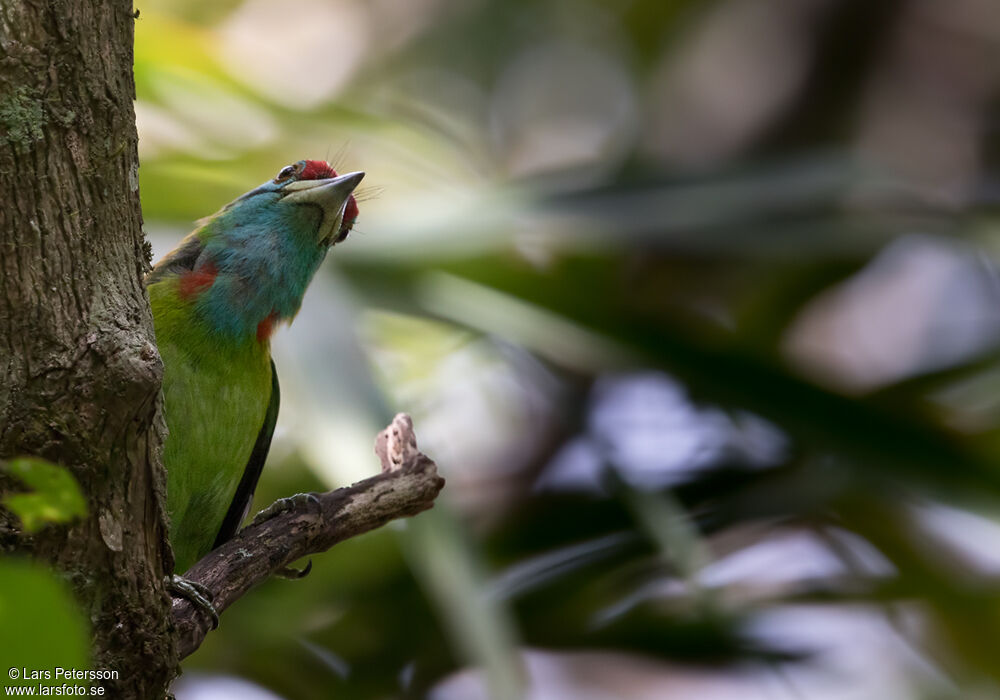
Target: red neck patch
350, 211
197, 281
266, 327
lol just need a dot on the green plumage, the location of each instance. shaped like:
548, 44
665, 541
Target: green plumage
215, 300
217, 435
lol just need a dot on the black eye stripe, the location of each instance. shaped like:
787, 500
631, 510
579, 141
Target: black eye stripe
285, 173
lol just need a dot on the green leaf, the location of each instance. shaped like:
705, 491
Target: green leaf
41, 627
55, 496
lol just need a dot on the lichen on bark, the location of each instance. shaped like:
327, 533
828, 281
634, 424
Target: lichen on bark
22, 118
79, 371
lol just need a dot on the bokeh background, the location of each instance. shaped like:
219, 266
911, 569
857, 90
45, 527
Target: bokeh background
694, 302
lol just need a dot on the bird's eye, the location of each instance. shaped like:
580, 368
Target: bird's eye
285, 173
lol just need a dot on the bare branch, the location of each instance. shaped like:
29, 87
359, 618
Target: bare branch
408, 485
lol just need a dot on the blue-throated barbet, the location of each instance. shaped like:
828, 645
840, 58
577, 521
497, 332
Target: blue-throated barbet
216, 298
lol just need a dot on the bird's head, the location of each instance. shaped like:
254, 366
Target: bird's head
247, 266
307, 199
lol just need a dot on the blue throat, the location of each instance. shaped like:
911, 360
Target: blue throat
265, 256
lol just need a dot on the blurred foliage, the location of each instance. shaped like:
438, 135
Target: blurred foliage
694, 303
54, 497
41, 627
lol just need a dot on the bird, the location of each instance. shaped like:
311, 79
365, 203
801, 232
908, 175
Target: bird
216, 299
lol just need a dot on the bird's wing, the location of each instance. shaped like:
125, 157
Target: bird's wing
181, 259
240, 505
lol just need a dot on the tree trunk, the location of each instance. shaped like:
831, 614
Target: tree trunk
79, 370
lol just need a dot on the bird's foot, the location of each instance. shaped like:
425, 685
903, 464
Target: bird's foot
196, 593
283, 505
293, 574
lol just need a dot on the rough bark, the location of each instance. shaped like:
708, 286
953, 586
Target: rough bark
270, 544
79, 371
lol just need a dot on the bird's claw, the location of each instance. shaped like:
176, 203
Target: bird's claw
196, 593
283, 505
291, 573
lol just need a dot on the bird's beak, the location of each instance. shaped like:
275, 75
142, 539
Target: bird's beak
331, 194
